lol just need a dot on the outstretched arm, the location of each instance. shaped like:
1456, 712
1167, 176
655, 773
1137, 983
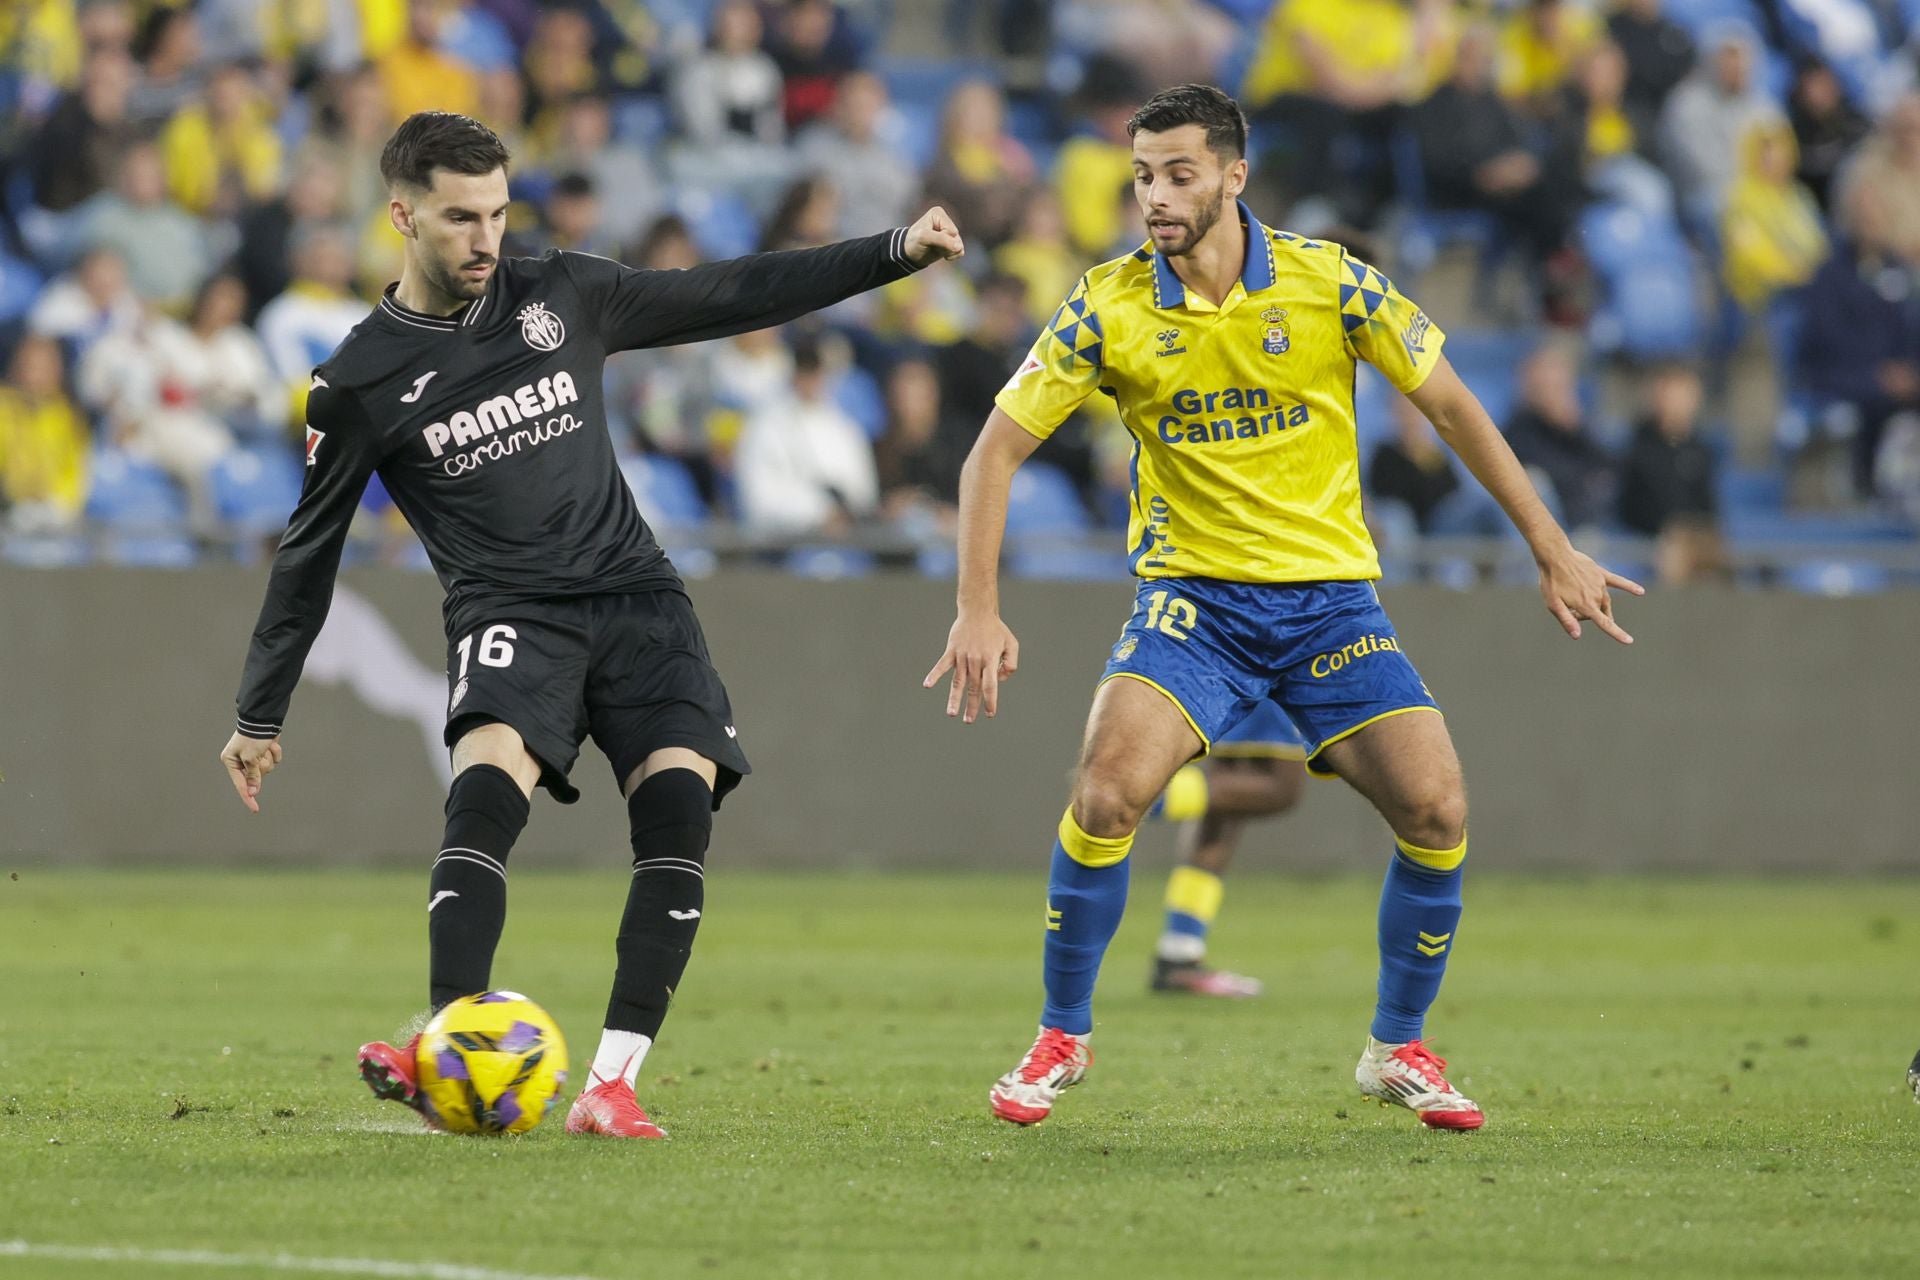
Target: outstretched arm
1573, 585
981, 650
644, 308
342, 452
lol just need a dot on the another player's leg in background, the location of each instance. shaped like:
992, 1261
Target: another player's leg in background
670, 811
487, 807
1136, 738
1406, 766
1232, 791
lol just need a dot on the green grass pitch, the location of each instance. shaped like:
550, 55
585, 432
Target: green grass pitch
1683, 1079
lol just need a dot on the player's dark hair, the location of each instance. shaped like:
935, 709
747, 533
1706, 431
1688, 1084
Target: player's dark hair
1200, 104
429, 140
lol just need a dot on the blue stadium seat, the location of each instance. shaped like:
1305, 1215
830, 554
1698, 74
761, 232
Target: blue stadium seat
722, 223
20, 284
45, 551
830, 562
149, 551
1043, 500
1045, 559
1645, 270
1425, 231
1700, 16
665, 491
1486, 361
254, 490
1836, 577
130, 495
858, 396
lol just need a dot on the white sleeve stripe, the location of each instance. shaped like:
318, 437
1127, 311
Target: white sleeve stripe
455, 857
497, 864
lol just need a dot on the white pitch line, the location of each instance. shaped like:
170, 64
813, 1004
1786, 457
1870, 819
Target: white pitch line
264, 1261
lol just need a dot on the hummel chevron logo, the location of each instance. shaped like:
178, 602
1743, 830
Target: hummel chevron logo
419, 385
319, 382
685, 915
439, 897
1053, 918
1431, 944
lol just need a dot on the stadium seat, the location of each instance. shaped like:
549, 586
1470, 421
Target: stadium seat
722, 223
1646, 274
131, 495
1836, 577
149, 551
665, 490
45, 551
1486, 361
1042, 499
20, 284
1045, 558
1425, 231
858, 396
254, 490
829, 562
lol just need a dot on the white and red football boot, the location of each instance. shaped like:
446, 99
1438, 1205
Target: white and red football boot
1410, 1075
1026, 1094
393, 1073
610, 1110
1195, 978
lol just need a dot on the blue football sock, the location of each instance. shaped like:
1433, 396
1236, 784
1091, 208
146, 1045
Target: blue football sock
1419, 912
1086, 896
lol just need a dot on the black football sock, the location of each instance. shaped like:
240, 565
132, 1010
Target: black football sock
672, 818
467, 893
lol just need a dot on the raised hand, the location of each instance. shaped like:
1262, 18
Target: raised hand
934, 237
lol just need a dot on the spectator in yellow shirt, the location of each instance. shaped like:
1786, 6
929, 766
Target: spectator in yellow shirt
1771, 232
1041, 256
43, 440
419, 77
222, 152
1541, 45
1330, 74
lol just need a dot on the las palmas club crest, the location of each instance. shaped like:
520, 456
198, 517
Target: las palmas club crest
540, 327
1278, 339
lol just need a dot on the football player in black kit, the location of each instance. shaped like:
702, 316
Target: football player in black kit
473, 390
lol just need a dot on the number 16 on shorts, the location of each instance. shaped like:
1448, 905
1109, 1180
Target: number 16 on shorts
495, 650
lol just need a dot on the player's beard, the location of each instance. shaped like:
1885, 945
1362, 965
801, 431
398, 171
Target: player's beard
1204, 219
456, 286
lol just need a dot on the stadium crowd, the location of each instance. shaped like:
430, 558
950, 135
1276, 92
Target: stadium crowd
1654, 200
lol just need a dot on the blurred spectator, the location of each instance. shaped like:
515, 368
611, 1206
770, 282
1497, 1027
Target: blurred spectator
87, 303
875, 180
1413, 469
814, 45
1666, 478
573, 217
73, 153
1600, 86
214, 362
419, 75
43, 441
266, 230
727, 100
1889, 163
918, 468
559, 67
1659, 53
806, 217
745, 373
355, 122
301, 327
1168, 43
503, 108
973, 370
1541, 43
167, 47
1860, 336
1097, 162
1473, 144
1705, 118
1330, 75
222, 152
804, 465
979, 172
630, 190
1549, 435
1771, 238
126, 379
1826, 127
1040, 257
165, 248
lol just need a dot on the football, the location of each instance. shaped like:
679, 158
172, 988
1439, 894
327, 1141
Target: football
491, 1063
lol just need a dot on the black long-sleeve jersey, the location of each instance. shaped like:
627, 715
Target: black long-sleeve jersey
488, 430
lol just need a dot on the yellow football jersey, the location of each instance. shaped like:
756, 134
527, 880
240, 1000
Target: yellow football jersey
1246, 462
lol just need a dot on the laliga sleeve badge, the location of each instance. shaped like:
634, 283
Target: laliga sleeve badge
1278, 338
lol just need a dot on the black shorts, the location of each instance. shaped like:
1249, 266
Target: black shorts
630, 670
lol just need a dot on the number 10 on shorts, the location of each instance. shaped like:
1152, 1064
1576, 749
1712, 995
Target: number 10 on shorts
494, 649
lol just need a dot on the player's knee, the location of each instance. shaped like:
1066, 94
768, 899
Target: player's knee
1434, 819
670, 815
1104, 809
